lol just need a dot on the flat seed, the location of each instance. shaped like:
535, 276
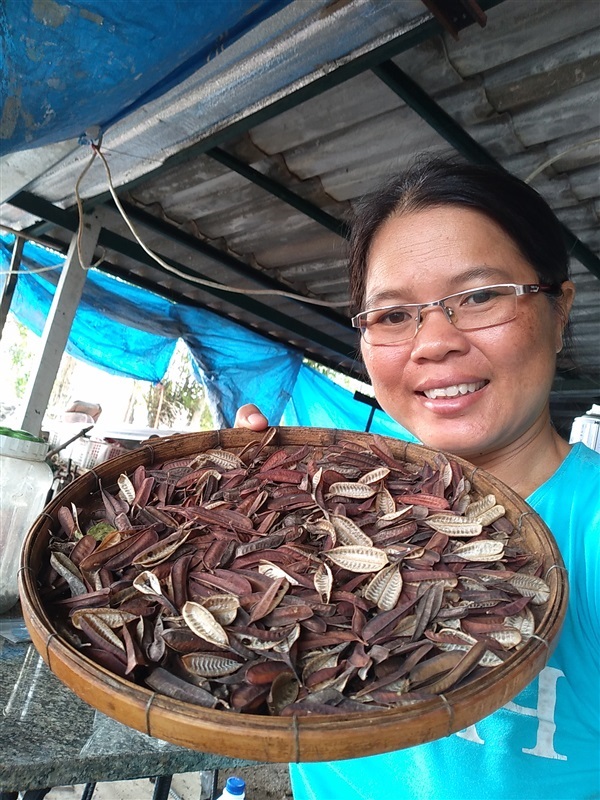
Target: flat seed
523, 622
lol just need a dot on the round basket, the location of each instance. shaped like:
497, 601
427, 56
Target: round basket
299, 738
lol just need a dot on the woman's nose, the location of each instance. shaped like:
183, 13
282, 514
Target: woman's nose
436, 336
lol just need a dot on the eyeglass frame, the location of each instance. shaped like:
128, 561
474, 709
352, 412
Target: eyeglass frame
520, 290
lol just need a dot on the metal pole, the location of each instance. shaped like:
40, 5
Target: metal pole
10, 284
58, 326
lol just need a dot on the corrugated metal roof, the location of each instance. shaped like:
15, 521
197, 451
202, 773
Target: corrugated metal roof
310, 114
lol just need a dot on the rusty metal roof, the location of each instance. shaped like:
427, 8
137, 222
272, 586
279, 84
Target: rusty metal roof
246, 172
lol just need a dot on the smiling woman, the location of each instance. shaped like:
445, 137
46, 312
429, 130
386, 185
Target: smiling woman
459, 281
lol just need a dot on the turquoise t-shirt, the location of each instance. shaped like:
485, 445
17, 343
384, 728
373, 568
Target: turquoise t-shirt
546, 742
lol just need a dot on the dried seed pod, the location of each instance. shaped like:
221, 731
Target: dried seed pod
201, 622
375, 475
209, 665
357, 558
270, 599
284, 690
67, 570
126, 489
323, 580
385, 587
223, 607
320, 661
164, 682
273, 571
491, 515
348, 532
523, 622
222, 458
508, 638
263, 673
386, 520
530, 586
98, 631
162, 550
385, 503
459, 528
483, 550
357, 491
147, 583
110, 616
462, 641
478, 507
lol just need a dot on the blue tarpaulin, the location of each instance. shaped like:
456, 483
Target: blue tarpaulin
132, 332
319, 402
66, 66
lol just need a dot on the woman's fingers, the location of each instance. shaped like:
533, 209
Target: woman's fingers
249, 416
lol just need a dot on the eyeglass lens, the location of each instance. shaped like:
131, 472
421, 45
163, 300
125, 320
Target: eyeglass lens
469, 310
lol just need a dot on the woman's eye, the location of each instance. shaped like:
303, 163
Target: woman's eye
396, 316
479, 297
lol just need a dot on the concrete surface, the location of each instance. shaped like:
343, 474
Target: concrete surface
268, 782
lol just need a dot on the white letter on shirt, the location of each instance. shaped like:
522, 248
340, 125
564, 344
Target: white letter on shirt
544, 712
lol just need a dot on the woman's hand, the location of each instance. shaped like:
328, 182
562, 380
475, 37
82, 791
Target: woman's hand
249, 416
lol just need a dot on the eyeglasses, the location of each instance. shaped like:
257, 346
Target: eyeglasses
470, 310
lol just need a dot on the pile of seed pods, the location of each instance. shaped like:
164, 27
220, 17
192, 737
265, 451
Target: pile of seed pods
300, 580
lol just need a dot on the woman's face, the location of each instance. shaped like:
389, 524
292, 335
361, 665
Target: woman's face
505, 372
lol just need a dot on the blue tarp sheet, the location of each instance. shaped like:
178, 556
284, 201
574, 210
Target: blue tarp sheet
65, 66
132, 332
319, 402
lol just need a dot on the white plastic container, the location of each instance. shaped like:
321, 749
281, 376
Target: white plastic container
586, 429
235, 789
25, 480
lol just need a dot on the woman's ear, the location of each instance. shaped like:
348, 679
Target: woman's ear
564, 304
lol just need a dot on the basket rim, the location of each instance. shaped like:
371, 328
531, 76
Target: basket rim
62, 657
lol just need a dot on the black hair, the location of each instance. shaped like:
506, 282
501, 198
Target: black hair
517, 208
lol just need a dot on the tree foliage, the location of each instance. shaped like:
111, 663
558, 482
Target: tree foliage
179, 399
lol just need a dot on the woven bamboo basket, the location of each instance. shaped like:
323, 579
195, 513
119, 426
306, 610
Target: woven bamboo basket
288, 739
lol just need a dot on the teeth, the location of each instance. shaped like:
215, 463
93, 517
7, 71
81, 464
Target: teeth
454, 391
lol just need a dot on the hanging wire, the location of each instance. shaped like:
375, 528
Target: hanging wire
558, 156
191, 278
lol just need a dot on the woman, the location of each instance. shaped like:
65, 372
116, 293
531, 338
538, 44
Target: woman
460, 277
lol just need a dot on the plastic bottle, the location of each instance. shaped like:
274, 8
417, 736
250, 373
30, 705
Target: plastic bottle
235, 789
25, 480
